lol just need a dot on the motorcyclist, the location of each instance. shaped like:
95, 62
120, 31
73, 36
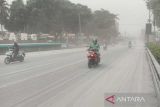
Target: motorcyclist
129, 44
95, 46
15, 49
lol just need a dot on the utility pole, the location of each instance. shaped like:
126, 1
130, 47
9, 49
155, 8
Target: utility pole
80, 26
148, 26
149, 20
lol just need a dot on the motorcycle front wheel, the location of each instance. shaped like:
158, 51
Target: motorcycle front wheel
7, 60
89, 64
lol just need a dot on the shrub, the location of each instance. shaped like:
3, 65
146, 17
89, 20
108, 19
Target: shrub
155, 49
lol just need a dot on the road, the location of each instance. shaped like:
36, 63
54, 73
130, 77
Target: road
62, 79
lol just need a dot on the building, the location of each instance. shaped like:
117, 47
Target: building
24, 36
33, 37
12, 36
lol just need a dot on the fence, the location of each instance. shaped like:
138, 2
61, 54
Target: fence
30, 47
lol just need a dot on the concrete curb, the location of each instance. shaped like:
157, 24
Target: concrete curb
155, 70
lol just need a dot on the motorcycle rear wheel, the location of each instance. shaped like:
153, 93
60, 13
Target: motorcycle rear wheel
21, 59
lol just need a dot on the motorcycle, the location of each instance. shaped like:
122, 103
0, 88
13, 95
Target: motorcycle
129, 44
93, 58
10, 56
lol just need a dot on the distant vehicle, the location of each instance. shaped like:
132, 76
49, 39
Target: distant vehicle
104, 47
64, 46
9, 56
129, 44
93, 58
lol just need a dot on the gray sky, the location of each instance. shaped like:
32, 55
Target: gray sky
132, 13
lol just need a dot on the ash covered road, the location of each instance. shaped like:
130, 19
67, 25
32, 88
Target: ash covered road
62, 79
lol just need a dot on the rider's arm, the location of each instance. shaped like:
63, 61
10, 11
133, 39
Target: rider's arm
91, 46
98, 47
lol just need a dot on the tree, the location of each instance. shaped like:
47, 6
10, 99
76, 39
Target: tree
58, 16
71, 15
18, 17
154, 5
103, 24
4, 12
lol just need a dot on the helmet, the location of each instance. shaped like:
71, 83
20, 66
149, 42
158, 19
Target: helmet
95, 41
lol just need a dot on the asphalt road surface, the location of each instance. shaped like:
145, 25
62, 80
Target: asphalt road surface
61, 78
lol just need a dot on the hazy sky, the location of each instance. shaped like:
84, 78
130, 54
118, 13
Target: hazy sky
132, 13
